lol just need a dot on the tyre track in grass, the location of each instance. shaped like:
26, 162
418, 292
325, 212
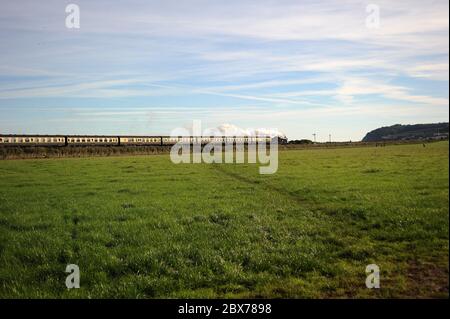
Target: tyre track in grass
293, 196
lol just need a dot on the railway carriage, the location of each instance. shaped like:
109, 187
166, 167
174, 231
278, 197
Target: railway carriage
169, 140
196, 139
92, 140
140, 140
239, 140
32, 140
185, 139
263, 139
217, 140
205, 139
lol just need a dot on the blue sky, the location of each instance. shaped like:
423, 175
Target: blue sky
148, 67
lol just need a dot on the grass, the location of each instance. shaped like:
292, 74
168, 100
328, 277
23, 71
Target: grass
142, 227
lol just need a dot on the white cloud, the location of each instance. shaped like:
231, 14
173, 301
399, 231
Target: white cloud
293, 56
359, 86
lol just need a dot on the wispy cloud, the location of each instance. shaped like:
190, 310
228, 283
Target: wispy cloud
289, 59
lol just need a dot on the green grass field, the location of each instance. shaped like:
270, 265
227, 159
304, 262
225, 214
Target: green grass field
142, 227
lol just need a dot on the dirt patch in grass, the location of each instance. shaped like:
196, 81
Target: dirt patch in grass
427, 279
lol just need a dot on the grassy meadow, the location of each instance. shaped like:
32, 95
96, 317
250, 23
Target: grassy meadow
143, 227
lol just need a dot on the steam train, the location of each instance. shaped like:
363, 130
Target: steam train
101, 140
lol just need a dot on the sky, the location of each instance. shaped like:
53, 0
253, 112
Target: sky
147, 67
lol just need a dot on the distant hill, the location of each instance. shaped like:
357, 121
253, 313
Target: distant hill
408, 132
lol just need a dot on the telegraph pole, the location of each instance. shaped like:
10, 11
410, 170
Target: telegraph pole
314, 137
330, 137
